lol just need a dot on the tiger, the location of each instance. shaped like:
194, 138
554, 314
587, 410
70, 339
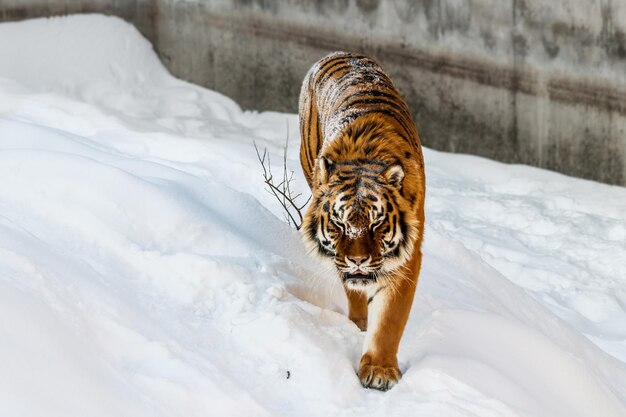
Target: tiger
362, 159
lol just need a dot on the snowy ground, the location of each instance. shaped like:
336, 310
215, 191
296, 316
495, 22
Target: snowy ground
144, 271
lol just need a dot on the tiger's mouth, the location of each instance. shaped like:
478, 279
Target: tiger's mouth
360, 279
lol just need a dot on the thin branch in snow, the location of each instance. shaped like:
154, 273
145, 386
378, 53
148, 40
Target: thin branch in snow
282, 191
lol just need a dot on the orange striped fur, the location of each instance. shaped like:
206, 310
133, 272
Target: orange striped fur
362, 158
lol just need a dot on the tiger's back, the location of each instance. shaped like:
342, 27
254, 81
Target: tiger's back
340, 89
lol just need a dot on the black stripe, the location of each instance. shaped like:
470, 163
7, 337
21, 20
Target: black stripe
352, 117
346, 80
392, 223
337, 89
387, 84
371, 197
326, 75
362, 161
312, 231
399, 114
308, 145
345, 188
319, 137
373, 93
327, 63
323, 224
393, 104
370, 177
403, 226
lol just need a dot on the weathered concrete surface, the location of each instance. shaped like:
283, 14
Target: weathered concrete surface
541, 82
535, 82
141, 13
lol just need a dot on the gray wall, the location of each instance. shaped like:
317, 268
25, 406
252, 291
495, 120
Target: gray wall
540, 82
139, 12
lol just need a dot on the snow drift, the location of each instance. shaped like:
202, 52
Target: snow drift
144, 271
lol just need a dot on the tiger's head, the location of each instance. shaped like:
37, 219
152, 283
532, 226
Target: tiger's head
360, 220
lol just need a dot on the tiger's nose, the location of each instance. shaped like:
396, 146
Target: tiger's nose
358, 260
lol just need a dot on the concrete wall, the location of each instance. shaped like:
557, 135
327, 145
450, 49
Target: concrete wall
139, 12
540, 82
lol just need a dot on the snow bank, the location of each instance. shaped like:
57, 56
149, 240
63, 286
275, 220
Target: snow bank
145, 271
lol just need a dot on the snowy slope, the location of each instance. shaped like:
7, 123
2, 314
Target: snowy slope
144, 271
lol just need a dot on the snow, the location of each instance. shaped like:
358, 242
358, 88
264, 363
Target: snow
145, 271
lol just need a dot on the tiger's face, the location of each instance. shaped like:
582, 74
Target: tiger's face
359, 219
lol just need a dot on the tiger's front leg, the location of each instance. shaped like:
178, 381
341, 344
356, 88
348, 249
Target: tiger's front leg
389, 309
357, 307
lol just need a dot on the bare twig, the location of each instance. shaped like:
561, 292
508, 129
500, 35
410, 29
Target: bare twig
282, 191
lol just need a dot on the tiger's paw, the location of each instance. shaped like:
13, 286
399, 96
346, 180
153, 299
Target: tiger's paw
379, 377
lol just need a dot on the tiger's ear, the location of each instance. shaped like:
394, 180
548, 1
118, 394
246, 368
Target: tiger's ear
394, 175
326, 167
